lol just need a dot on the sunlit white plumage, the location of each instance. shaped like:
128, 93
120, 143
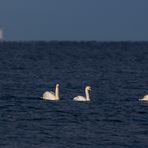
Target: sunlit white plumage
145, 98
84, 98
49, 95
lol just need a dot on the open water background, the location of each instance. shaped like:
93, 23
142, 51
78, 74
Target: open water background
117, 73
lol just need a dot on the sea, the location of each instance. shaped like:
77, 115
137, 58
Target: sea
114, 118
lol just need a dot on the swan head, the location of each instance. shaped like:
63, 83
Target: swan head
57, 85
88, 88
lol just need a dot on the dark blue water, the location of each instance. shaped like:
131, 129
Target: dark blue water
117, 73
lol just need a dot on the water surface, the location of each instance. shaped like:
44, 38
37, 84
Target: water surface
117, 73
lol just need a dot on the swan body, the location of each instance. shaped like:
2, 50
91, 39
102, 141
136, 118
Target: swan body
49, 95
80, 98
145, 98
84, 98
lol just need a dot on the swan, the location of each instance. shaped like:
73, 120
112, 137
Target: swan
145, 98
49, 95
82, 98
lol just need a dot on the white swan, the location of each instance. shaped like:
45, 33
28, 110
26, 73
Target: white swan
49, 95
145, 98
82, 98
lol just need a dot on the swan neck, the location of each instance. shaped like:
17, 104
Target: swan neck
57, 92
87, 95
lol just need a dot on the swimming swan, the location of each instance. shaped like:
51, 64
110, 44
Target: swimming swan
49, 95
82, 98
145, 98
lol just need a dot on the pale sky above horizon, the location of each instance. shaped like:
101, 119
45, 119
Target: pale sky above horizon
101, 20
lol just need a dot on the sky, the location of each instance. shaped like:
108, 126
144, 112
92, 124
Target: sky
101, 20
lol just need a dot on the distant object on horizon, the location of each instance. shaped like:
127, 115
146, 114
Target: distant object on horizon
1, 35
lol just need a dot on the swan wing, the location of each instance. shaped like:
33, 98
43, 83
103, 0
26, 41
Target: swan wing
49, 95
